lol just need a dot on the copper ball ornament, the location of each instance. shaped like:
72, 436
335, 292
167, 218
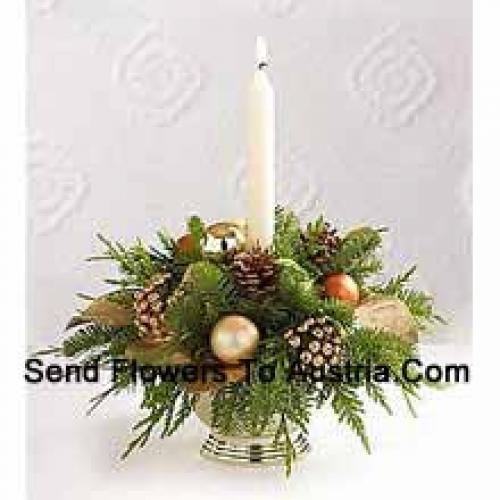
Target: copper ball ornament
342, 287
186, 243
234, 338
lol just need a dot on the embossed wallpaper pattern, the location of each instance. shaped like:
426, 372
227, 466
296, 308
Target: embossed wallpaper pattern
136, 119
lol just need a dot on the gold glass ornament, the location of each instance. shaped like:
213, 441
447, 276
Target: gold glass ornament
234, 338
219, 237
224, 236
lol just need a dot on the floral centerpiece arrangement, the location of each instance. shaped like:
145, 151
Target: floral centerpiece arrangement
254, 324
253, 339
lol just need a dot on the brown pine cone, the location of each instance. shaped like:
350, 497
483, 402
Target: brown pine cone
149, 307
321, 245
256, 272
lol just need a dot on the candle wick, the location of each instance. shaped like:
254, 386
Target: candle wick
261, 54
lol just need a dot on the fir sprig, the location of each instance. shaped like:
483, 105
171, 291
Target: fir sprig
167, 406
358, 254
204, 291
206, 295
420, 304
136, 263
349, 408
97, 340
287, 234
369, 347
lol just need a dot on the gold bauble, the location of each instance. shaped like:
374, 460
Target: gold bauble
224, 236
234, 338
219, 237
387, 314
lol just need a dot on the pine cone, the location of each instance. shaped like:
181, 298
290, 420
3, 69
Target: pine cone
256, 272
317, 343
149, 307
322, 245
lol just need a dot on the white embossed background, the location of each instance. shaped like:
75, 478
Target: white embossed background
136, 119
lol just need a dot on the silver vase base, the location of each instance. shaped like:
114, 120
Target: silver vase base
251, 451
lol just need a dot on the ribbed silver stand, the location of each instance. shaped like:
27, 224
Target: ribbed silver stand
251, 450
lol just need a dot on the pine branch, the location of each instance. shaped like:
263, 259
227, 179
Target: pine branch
46, 352
349, 409
357, 254
287, 234
136, 263
205, 291
376, 393
370, 347
96, 401
93, 338
298, 292
165, 254
205, 295
282, 436
420, 304
167, 404
86, 339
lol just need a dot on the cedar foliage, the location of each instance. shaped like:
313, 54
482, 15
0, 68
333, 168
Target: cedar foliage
205, 291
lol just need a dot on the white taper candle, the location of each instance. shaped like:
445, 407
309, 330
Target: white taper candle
261, 153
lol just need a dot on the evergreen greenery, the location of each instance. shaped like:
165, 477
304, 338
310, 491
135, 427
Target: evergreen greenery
419, 303
94, 340
204, 291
